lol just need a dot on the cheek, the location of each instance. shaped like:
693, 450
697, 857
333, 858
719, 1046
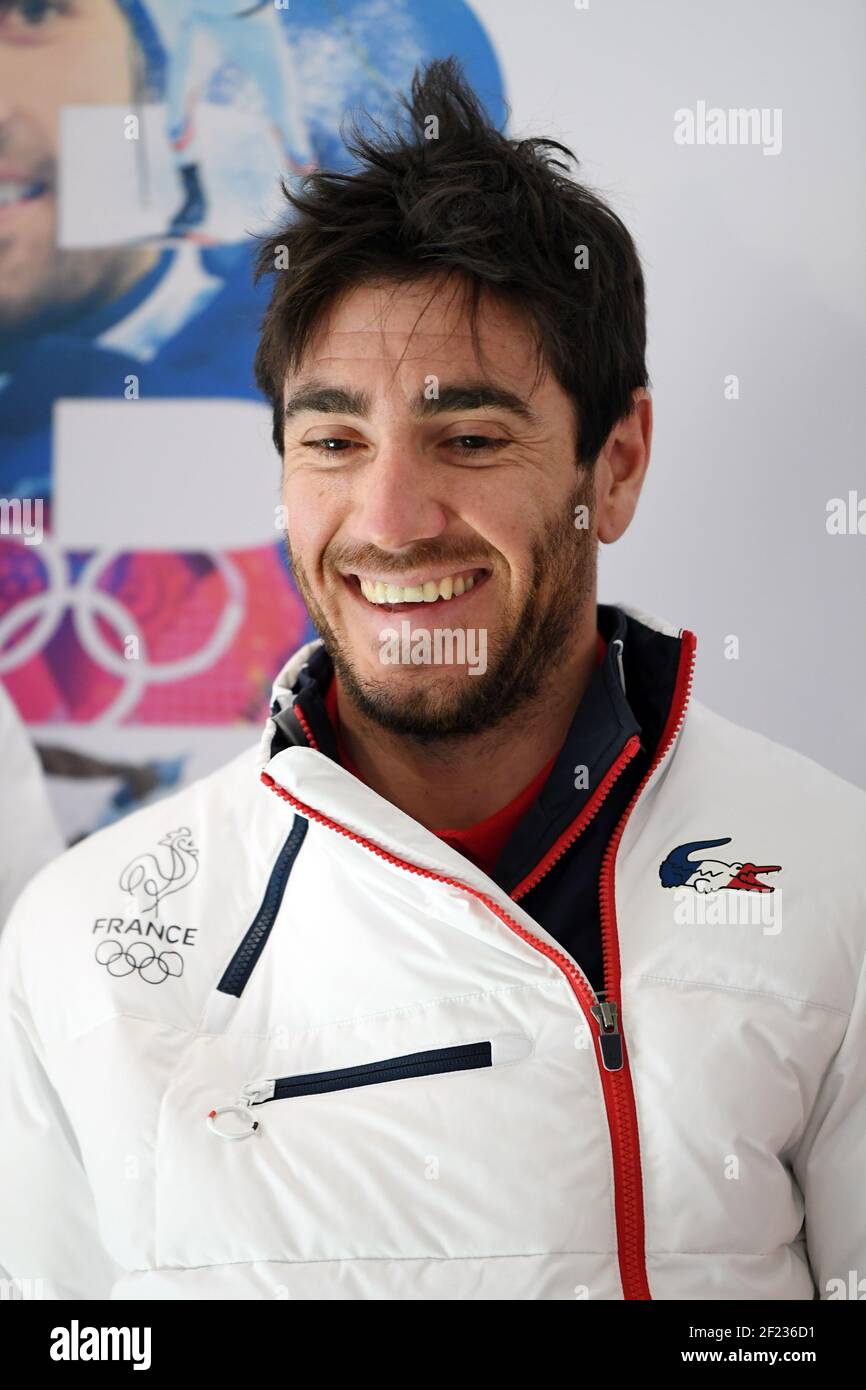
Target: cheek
98, 72
312, 515
92, 60
71, 75
505, 528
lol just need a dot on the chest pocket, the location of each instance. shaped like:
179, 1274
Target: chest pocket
482, 1131
507, 1047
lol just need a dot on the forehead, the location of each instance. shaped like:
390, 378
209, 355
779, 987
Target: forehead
425, 323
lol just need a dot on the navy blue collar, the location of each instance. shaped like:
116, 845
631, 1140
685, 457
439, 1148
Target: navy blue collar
629, 695
603, 723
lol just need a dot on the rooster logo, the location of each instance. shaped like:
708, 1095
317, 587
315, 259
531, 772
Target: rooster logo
150, 881
709, 875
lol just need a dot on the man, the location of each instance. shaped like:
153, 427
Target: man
421, 999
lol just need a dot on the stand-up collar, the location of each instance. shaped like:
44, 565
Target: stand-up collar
602, 725
629, 695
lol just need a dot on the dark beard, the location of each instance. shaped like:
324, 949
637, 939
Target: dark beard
563, 573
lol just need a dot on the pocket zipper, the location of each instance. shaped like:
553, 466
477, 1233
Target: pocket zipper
507, 1047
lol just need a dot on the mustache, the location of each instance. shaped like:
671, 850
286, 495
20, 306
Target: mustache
357, 557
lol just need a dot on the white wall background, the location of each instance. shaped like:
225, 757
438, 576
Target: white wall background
754, 266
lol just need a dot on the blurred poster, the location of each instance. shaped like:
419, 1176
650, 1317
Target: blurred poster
141, 144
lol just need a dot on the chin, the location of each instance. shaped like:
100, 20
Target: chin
425, 705
421, 687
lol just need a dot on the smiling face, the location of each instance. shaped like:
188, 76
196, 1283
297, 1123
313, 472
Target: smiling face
421, 486
53, 55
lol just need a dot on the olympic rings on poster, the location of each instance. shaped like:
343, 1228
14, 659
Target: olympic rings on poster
86, 602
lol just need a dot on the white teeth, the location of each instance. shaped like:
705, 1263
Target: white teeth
452, 586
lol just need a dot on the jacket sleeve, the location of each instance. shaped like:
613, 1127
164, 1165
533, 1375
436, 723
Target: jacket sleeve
830, 1166
49, 1243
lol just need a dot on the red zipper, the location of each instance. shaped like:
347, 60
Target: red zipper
576, 978
577, 827
302, 720
618, 1088
616, 1084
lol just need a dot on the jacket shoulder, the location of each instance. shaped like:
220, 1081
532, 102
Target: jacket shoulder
781, 769
737, 777
158, 897
218, 793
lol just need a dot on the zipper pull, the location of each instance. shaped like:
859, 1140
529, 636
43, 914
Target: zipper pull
252, 1094
240, 1112
617, 646
257, 1091
610, 1039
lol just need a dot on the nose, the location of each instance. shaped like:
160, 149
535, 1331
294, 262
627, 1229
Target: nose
12, 83
399, 501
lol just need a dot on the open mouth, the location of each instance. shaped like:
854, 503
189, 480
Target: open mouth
446, 590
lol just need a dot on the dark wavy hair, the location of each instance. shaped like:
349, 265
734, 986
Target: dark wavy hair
502, 215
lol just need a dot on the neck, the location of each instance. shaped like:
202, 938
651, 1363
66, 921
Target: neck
457, 783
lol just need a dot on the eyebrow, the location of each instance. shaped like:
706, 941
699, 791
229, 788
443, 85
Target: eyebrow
317, 395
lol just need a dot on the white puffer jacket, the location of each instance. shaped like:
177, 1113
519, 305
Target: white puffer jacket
272, 1038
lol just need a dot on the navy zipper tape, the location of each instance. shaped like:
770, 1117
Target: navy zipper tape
442, 1059
245, 957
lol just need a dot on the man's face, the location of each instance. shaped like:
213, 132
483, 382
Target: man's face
410, 479
51, 55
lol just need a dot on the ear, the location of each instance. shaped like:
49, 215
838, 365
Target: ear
621, 467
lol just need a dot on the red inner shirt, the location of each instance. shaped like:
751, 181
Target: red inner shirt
483, 842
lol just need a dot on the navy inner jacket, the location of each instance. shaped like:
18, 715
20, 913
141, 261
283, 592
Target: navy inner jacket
621, 701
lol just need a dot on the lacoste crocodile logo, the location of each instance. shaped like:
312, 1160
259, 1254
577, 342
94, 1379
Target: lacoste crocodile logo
710, 875
151, 877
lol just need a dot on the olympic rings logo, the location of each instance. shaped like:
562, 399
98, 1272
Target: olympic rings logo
85, 602
153, 968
